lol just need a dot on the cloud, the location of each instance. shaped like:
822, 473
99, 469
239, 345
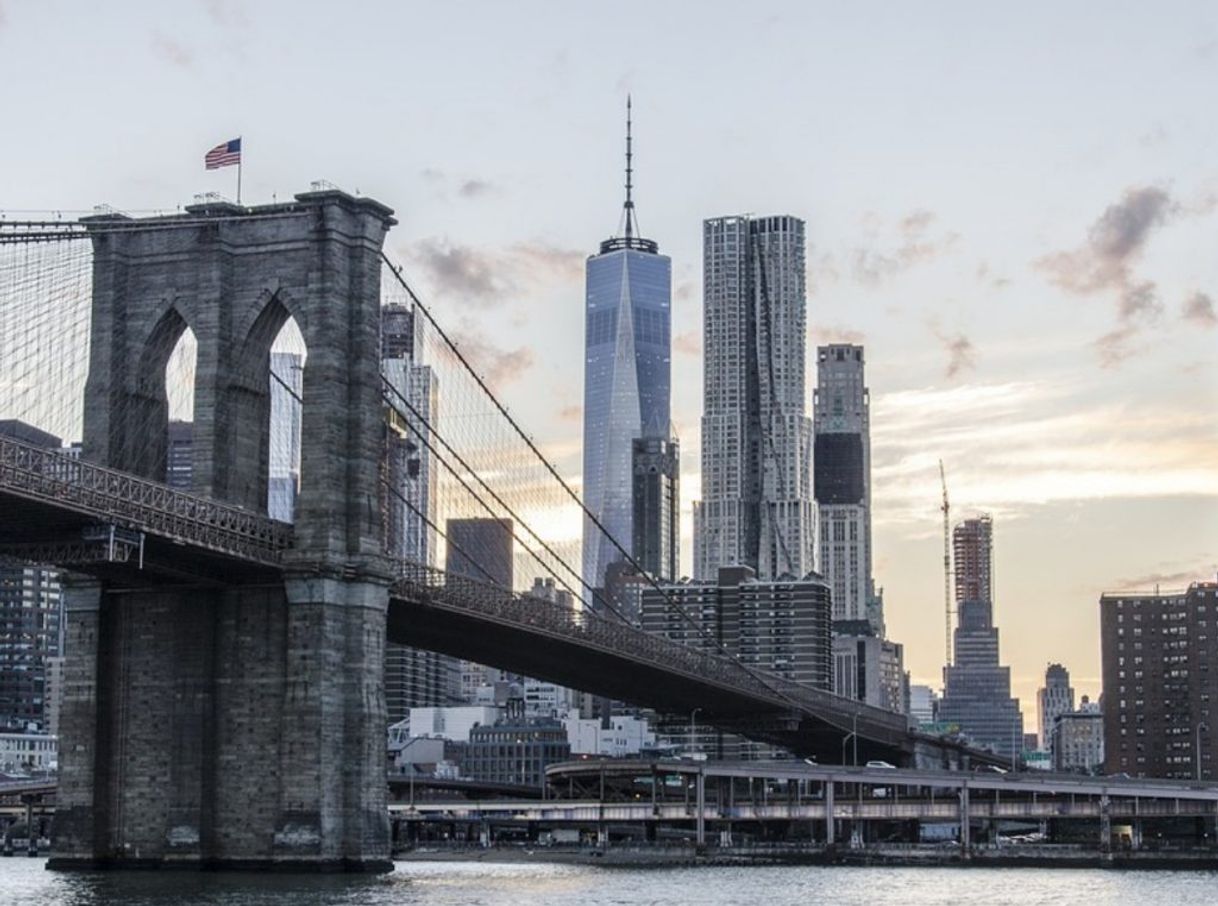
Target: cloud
1114, 243
464, 272
684, 291
1020, 444
1105, 262
960, 352
571, 413
226, 13
1114, 347
688, 343
1173, 580
173, 51
495, 365
872, 266
490, 278
475, 188
1199, 309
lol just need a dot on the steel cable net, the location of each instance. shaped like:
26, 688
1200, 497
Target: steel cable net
470, 497
45, 293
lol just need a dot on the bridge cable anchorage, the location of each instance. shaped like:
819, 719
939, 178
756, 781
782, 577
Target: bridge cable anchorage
755, 674
499, 500
478, 498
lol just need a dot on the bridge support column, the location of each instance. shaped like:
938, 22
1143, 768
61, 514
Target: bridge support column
830, 818
1105, 826
700, 804
966, 843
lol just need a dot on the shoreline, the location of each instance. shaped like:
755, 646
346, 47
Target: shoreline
905, 857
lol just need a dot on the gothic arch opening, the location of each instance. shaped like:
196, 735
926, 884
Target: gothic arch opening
180, 400
288, 355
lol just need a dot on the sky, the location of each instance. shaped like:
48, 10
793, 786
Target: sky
1013, 207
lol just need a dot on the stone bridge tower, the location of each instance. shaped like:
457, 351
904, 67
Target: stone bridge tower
223, 721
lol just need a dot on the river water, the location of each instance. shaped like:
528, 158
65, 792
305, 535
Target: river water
25, 882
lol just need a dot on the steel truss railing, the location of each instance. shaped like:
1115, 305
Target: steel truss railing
125, 500
435, 587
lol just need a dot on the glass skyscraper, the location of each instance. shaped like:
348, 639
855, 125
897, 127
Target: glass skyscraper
627, 378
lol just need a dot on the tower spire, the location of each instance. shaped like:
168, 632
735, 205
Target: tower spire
629, 207
629, 237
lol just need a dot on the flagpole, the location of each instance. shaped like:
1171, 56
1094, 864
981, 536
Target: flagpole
240, 153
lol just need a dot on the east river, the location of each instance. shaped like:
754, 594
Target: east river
25, 882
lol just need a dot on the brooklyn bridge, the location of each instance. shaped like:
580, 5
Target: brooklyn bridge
223, 700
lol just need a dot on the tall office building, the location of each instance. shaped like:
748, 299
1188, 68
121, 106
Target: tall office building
413, 678
180, 455
479, 549
756, 508
657, 506
31, 623
411, 469
976, 688
627, 375
1159, 656
1054, 698
842, 481
283, 460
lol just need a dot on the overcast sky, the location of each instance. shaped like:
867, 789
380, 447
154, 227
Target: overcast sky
1013, 207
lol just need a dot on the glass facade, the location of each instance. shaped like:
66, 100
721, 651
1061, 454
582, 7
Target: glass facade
627, 386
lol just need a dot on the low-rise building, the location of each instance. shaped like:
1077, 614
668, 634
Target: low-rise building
28, 752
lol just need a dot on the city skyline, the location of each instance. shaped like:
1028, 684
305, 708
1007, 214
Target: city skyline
995, 273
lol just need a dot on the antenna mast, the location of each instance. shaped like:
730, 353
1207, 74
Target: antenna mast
629, 177
947, 568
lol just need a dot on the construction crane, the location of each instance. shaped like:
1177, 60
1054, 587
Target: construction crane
947, 568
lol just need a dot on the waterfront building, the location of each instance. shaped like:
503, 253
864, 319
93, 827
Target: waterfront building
627, 377
657, 506
756, 508
1159, 654
977, 688
868, 668
1054, 698
22, 753
614, 736
516, 748
1077, 740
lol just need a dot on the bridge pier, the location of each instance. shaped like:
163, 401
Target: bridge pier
966, 843
830, 818
223, 718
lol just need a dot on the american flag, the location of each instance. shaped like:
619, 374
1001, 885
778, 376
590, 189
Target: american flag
223, 155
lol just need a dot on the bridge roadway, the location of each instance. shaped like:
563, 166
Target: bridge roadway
97, 520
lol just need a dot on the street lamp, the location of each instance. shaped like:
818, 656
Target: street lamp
1197, 751
853, 734
692, 714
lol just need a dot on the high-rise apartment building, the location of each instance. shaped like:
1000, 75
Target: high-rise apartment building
973, 560
777, 625
657, 506
976, 687
31, 623
1159, 656
841, 423
627, 376
479, 549
413, 678
1054, 698
756, 508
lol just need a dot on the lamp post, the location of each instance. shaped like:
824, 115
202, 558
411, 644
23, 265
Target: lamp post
1197, 751
692, 737
853, 734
